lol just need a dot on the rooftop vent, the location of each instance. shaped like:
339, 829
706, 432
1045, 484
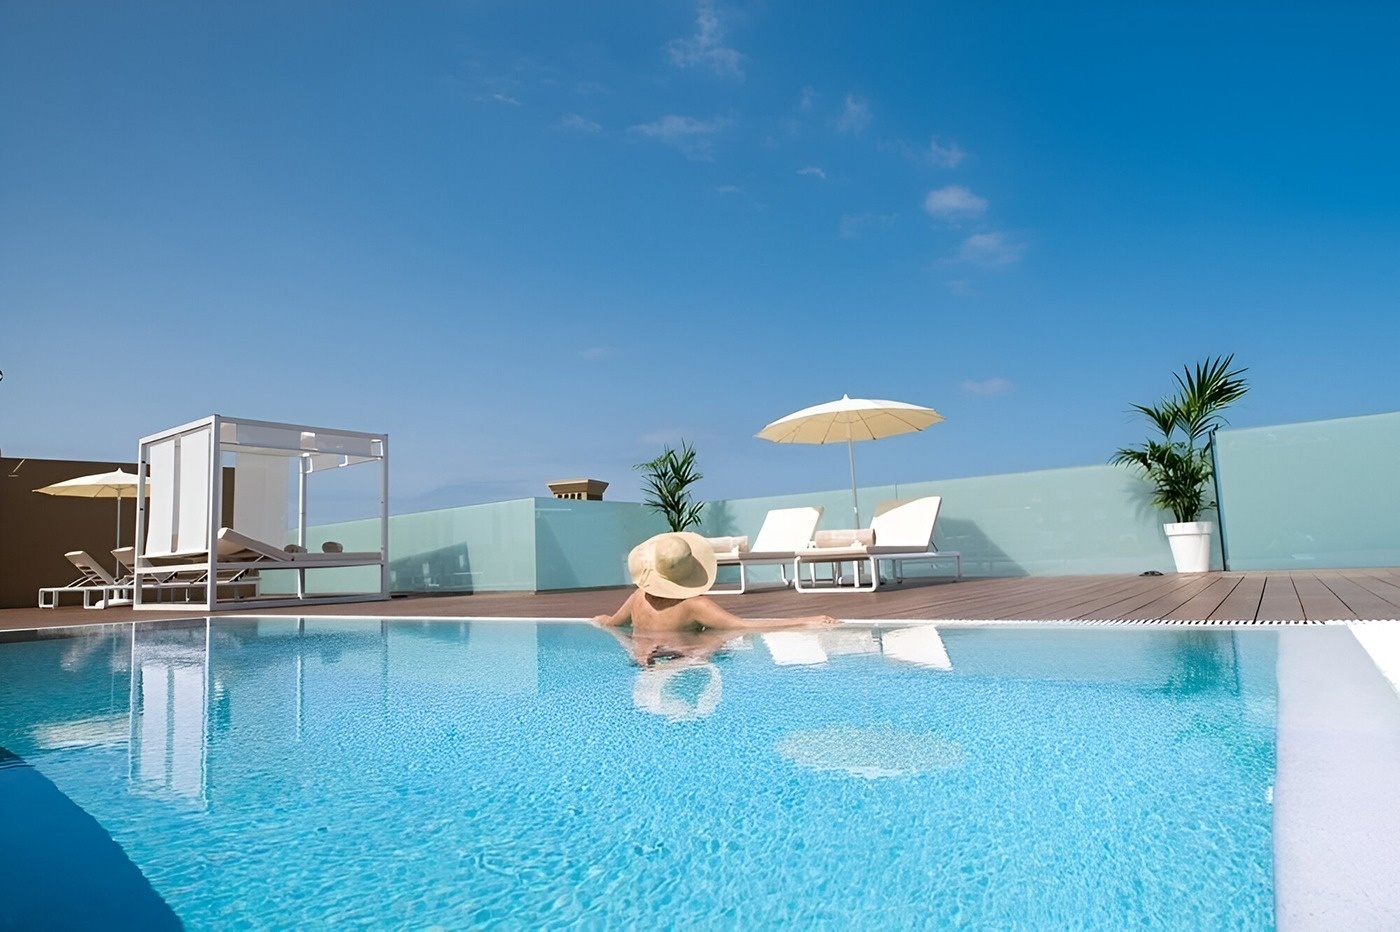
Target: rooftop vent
590, 490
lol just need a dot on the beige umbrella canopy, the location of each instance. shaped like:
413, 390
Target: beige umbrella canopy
117, 484
847, 421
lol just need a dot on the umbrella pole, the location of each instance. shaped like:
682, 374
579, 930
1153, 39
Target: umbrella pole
851, 454
119, 521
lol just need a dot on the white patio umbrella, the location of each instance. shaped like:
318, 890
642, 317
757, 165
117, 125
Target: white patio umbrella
849, 420
116, 484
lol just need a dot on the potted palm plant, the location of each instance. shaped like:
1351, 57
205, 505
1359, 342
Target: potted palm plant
1178, 463
667, 481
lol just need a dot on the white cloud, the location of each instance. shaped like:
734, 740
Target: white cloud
855, 115
727, 189
988, 388
990, 249
813, 171
707, 46
945, 156
854, 225
582, 124
496, 98
693, 137
954, 202
808, 100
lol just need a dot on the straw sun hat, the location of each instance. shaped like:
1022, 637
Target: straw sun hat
675, 565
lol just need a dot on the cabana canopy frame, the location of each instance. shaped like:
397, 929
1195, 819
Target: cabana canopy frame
180, 504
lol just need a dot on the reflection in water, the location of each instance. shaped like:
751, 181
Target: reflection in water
871, 752
795, 648
98, 731
502, 658
680, 690
866, 751
1204, 661
920, 645
678, 680
169, 700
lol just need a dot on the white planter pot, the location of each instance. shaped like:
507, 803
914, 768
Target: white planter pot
1190, 542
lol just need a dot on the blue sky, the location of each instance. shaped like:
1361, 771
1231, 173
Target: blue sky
540, 240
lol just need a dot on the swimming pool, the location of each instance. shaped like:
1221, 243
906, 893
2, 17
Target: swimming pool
278, 772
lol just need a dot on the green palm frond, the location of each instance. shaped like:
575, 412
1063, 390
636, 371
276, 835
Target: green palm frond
1180, 469
667, 480
1204, 392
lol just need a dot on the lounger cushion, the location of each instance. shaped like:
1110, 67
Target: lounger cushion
850, 537
728, 546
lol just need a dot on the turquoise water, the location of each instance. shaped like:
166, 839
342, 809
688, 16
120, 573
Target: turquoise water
276, 773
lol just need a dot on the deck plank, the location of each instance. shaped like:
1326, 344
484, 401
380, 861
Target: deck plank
1382, 584
1203, 605
1148, 591
1171, 605
1082, 601
1280, 601
1360, 601
1242, 604
1319, 602
1275, 596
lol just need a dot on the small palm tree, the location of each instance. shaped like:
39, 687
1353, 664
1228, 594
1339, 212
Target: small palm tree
1178, 464
667, 480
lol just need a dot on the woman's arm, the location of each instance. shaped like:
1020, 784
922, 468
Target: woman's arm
618, 618
711, 614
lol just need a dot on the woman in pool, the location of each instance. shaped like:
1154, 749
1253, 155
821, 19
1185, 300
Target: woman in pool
672, 573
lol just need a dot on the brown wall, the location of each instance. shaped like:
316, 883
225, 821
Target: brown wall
37, 530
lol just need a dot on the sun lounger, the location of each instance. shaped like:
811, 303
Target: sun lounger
233, 547
236, 554
785, 531
901, 532
93, 581
187, 582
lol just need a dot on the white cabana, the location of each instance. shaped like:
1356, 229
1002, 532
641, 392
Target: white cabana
181, 535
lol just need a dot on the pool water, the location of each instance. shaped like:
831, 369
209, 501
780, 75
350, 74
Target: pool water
280, 772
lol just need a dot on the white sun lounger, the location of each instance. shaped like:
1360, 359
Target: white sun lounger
784, 533
902, 532
238, 553
187, 581
94, 581
234, 547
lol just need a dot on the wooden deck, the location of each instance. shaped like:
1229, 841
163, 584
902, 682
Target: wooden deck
1325, 595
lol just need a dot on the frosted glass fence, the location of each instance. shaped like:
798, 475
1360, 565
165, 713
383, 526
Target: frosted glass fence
525, 545
1089, 520
1313, 495
1320, 494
